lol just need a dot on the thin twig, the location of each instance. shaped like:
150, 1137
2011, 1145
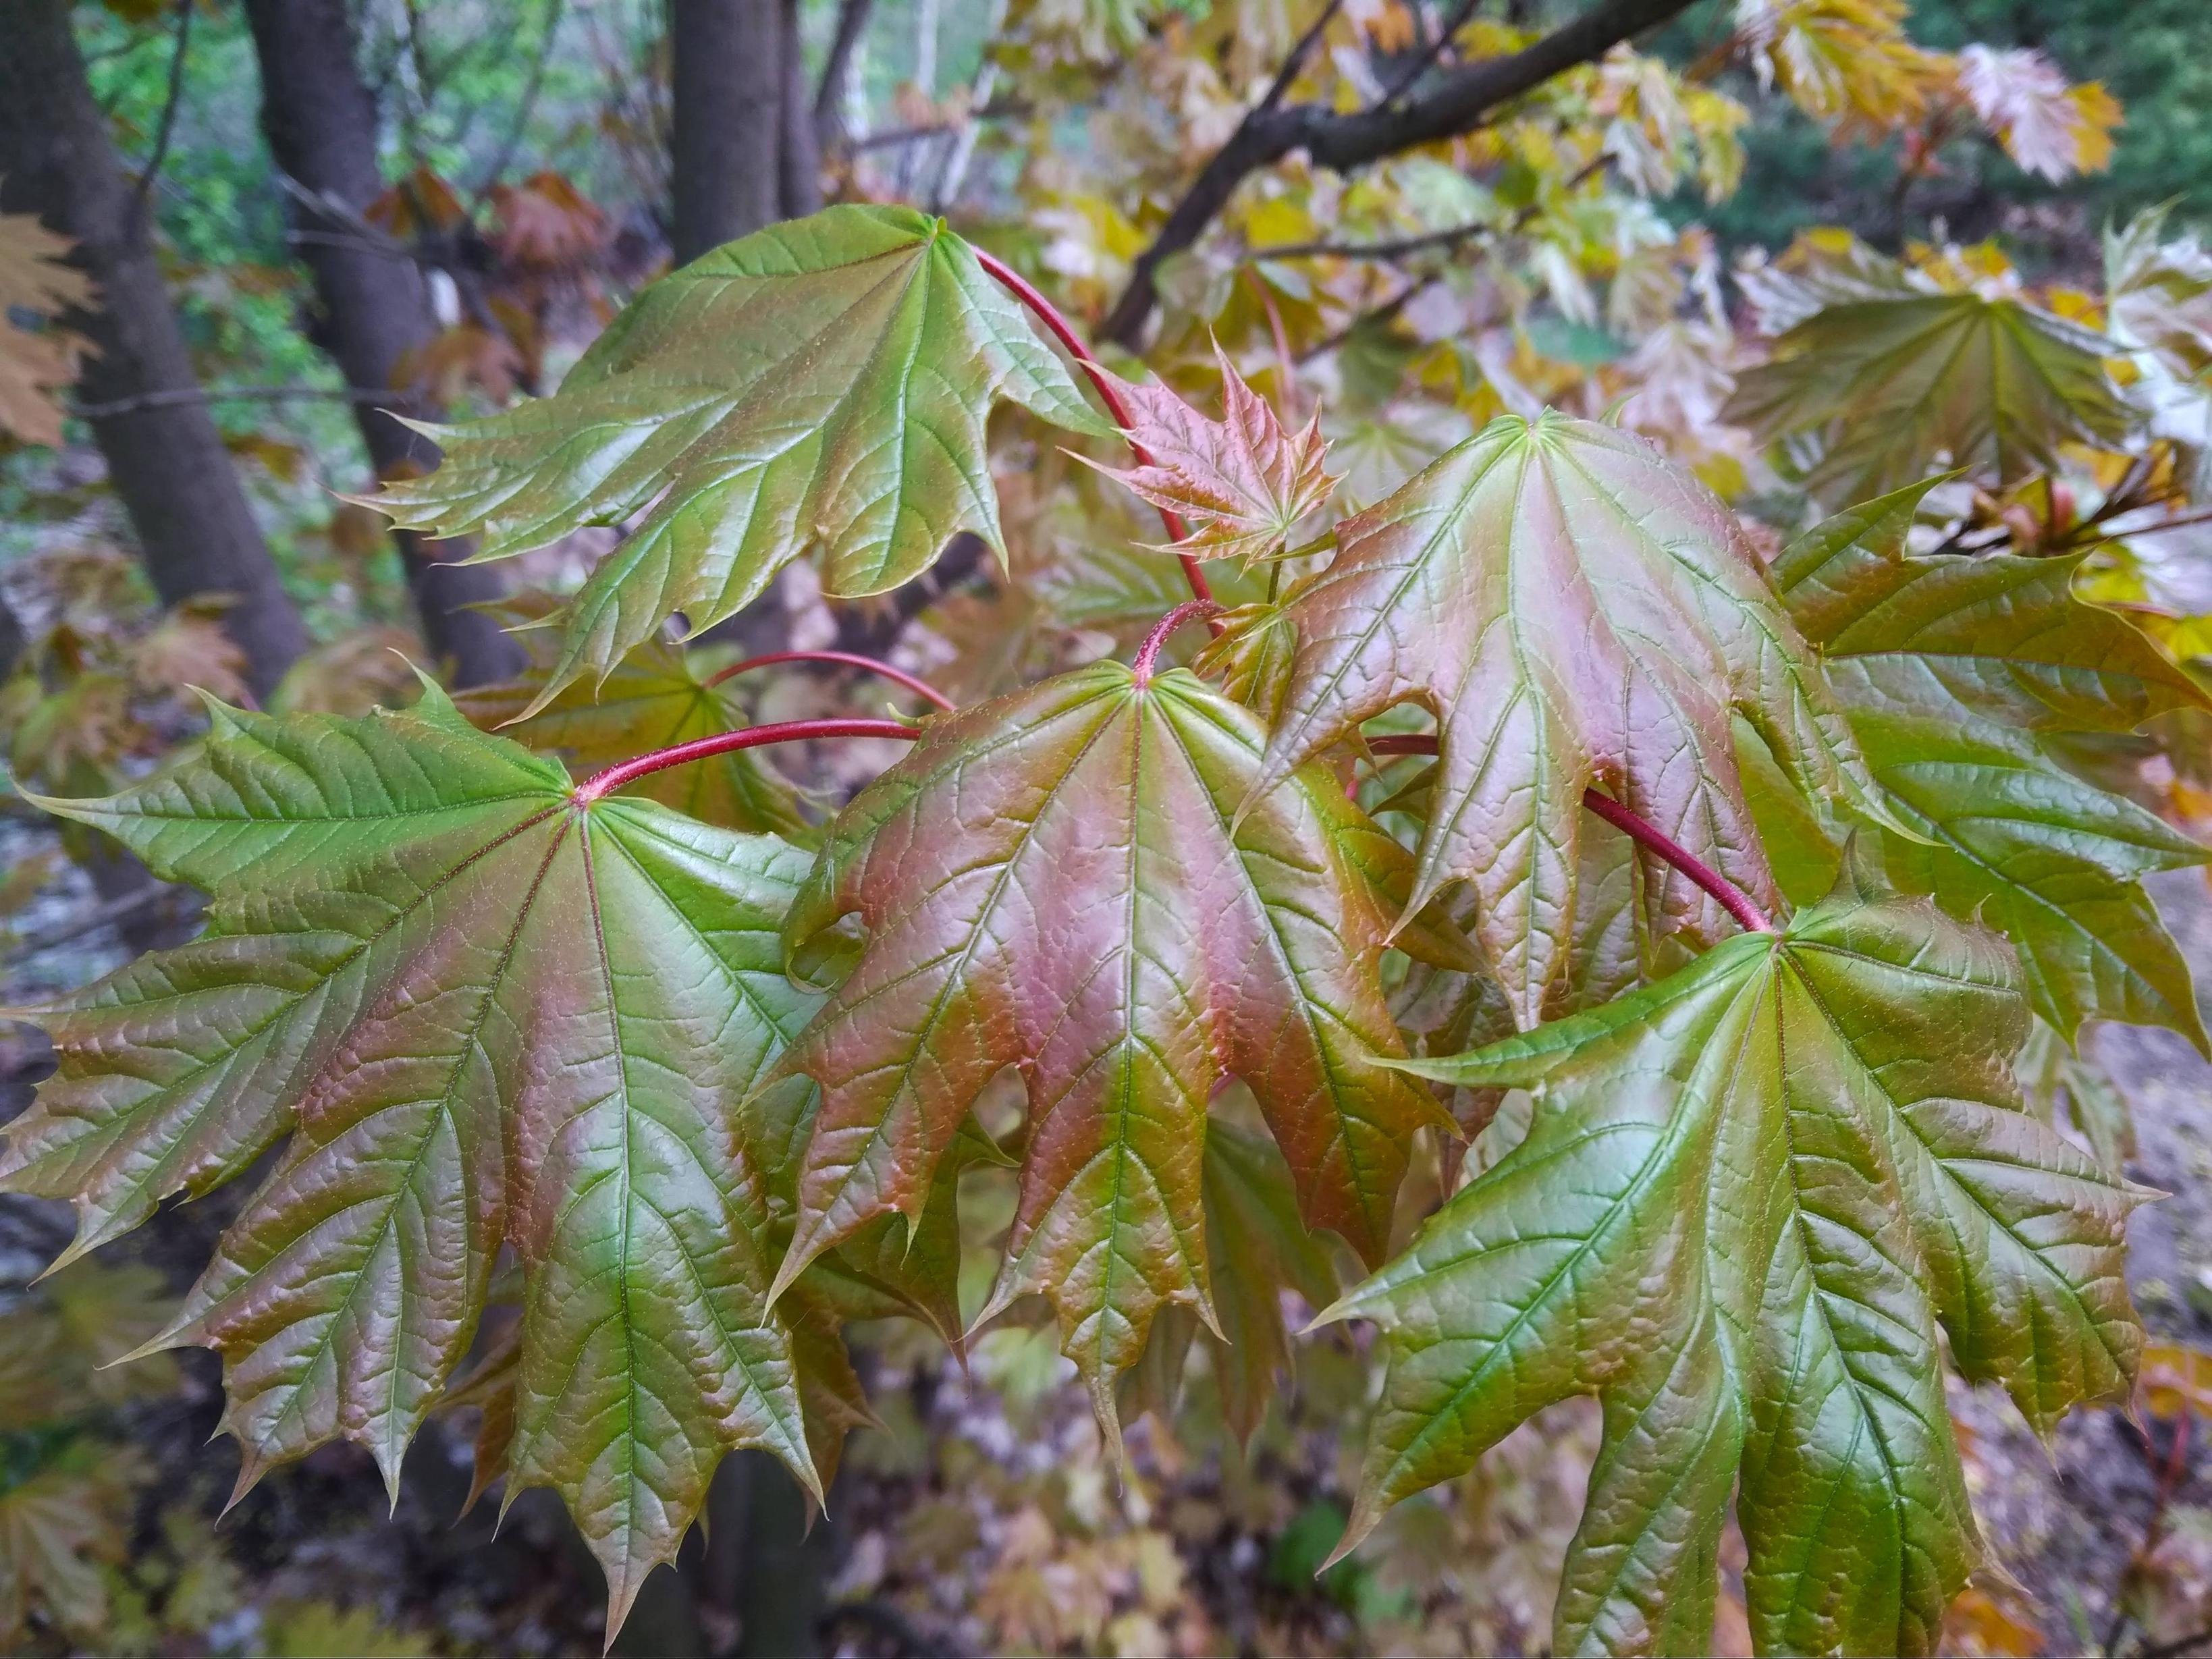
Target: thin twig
167, 129
1393, 249
91, 921
920, 687
1078, 347
1732, 898
853, 16
1420, 65
173, 396
523, 110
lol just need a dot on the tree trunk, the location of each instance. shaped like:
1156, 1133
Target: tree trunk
728, 84
165, 457
798, 155
321, 122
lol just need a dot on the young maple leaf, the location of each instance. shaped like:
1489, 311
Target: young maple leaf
1572, 608
1749, 1195
1953, 672
822, 387
487, 1011
1242, 483
1053, 882
2046, 124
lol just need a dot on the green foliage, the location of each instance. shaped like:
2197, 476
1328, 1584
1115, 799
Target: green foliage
1955, 671
485, 1011
817, 387
1749, 1194
1518, 586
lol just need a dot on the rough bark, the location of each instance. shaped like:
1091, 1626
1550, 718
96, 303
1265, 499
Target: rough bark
728, 79
165, 457
1342, 142
321, 122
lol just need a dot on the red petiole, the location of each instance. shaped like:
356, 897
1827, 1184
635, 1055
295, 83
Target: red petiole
1200, 604
725, 742
1639, 830
850, 660
1064, 331
1148, 653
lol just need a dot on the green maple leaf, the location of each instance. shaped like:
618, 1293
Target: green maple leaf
1891, 373
1576, 611
486, 1011
1749, 1195
654, 698
1257, 1246
1053, 882
1952, 669
820, 386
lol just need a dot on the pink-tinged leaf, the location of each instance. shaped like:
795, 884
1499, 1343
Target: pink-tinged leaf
2046, 124
1053, 882
1242, 483
1576, 611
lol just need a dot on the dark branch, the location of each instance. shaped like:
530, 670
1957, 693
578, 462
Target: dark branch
1458, 103
176, 96
852, 17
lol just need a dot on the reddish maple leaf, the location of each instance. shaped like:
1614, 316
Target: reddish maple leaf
1242, 483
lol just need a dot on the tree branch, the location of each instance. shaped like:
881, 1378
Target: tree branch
1458, 103
177, 397
853, 18
176, 96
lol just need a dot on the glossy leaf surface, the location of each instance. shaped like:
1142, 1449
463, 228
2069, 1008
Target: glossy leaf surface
1895, 377
485, 1012
1053, 882
1951, 668
654, 698
821, 386
1576, 611
1748, 1196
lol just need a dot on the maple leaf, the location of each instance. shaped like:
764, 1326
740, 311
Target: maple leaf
546, 223
1748, 1196
61, 1527
487, 1010
1242, 483
653, 698
1257, 1247
1052, 882
34, 281
1953, 670
1576, 612
1896, 377
821, 386
1847, 60
2046, 125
